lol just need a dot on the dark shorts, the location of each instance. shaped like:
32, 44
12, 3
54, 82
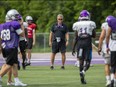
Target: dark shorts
22, 46
30, 43
84, 54
10, 55
58, 47
113, 58
84, 43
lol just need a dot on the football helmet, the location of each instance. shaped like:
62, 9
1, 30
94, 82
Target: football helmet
13, 15
108, 18
84, 14
29, 19
7, 18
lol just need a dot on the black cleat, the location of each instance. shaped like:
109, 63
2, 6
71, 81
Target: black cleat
83, 81
82, 78
27, 64
62, 67
52, 67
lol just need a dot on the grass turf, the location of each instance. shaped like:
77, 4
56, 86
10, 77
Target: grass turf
42, 76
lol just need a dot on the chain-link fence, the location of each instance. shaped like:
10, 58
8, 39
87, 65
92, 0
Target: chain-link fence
42, 42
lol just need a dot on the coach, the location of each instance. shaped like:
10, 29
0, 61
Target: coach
58, 40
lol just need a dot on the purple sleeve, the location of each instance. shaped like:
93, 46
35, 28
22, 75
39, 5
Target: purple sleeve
16, 25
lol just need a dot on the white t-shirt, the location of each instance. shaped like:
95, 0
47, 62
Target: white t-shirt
112, 43
105, 27
84, 27
25, 24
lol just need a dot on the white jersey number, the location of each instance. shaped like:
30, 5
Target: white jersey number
83, 30
5, 34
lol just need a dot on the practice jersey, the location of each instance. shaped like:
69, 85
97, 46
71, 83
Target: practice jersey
25, 24
84, 30
9, 34
105, 27
84, 27
30, 29
112, 25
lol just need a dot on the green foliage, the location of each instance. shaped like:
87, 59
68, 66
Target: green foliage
44, 12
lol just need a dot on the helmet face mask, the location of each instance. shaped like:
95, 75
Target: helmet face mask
13, 14
84, 15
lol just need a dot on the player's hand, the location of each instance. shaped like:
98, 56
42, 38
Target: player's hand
73, 53
99, 51
50, 44
21, 21
67, 43
33, 43
108, 50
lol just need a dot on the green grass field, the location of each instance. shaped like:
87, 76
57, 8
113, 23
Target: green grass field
42, 76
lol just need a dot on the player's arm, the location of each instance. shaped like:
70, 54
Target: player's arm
108, 38
93, 33
93, 26
34, 36
74, 43
22, 26
101, 38
18, 29
20, 32
67, 36
50, 38
25, 28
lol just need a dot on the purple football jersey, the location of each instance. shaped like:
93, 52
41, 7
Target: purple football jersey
112, 24
10, 38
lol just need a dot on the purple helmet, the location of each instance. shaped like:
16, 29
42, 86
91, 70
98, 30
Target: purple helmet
84, 14
108, 18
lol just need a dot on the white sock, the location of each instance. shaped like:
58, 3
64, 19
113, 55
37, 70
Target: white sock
16, 79
107, 78
112, 76
52, 65
77, 62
